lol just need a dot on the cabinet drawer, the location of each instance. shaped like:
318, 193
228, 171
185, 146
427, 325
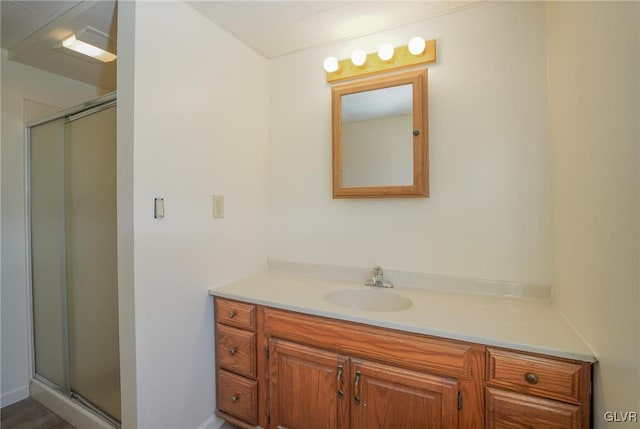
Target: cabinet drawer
238, 396
515, 410
235, 313
537, 375
236, 350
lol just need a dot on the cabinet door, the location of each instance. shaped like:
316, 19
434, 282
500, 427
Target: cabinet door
307, 387
387, 397
509, 410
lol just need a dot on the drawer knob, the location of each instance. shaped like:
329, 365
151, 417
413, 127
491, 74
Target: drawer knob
235, 398
232, 352
232, 314
531, 378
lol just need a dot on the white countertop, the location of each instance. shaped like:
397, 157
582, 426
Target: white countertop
521, 324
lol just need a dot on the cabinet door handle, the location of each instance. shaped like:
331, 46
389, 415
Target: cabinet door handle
232, 352
232, 314
235, 398
339, 380
531, 378
356, 389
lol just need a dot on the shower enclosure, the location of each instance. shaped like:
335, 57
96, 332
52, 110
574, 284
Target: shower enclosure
74, 289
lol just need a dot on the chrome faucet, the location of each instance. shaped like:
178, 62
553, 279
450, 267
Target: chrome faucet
378, 278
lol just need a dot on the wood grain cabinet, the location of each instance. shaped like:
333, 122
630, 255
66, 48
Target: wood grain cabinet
307, 387
237, 376
286, 370
531, 391
315, 389
390, 397
368, 377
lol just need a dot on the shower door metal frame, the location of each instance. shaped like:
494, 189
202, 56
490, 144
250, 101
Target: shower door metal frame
71, 114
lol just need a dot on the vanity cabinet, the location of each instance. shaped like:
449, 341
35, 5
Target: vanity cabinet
370, 377
386, 396
528, 390
239, 373
306, 387
315, 389
283, 369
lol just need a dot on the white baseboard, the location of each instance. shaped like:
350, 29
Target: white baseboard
14, 396
212, 422
63, 406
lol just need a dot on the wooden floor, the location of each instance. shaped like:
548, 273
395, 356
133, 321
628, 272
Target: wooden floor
31, 414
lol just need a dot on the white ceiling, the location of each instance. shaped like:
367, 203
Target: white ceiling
31, 28
275, 28
21, 18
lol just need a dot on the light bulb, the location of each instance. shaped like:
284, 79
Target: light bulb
416, 45
330, 64
358, 57
385, 51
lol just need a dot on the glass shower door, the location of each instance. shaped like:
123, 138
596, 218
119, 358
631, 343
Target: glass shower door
48, 254
92, 275
74, 257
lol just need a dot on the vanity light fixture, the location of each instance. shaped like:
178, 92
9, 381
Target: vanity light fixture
417, 45
358, 57
418, 51
90, 45
385, 51
331, 64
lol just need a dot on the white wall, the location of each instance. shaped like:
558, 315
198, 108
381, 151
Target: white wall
489, 211
199, 128
21, 84
594, 96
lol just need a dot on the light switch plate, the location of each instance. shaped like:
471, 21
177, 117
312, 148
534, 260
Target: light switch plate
158, 208
218, 206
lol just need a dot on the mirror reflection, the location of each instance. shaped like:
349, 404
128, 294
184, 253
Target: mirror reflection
380, 137
377, 140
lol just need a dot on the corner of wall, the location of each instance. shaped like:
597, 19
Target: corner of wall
595, 187
125, 142
14, 396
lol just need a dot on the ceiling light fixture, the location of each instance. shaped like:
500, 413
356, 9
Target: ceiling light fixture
417, 52
87, 49
92, 45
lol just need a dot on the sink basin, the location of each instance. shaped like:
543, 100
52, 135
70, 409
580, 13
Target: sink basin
373, 299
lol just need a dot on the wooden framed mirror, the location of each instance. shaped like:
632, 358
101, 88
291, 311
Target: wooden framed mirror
380, 137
